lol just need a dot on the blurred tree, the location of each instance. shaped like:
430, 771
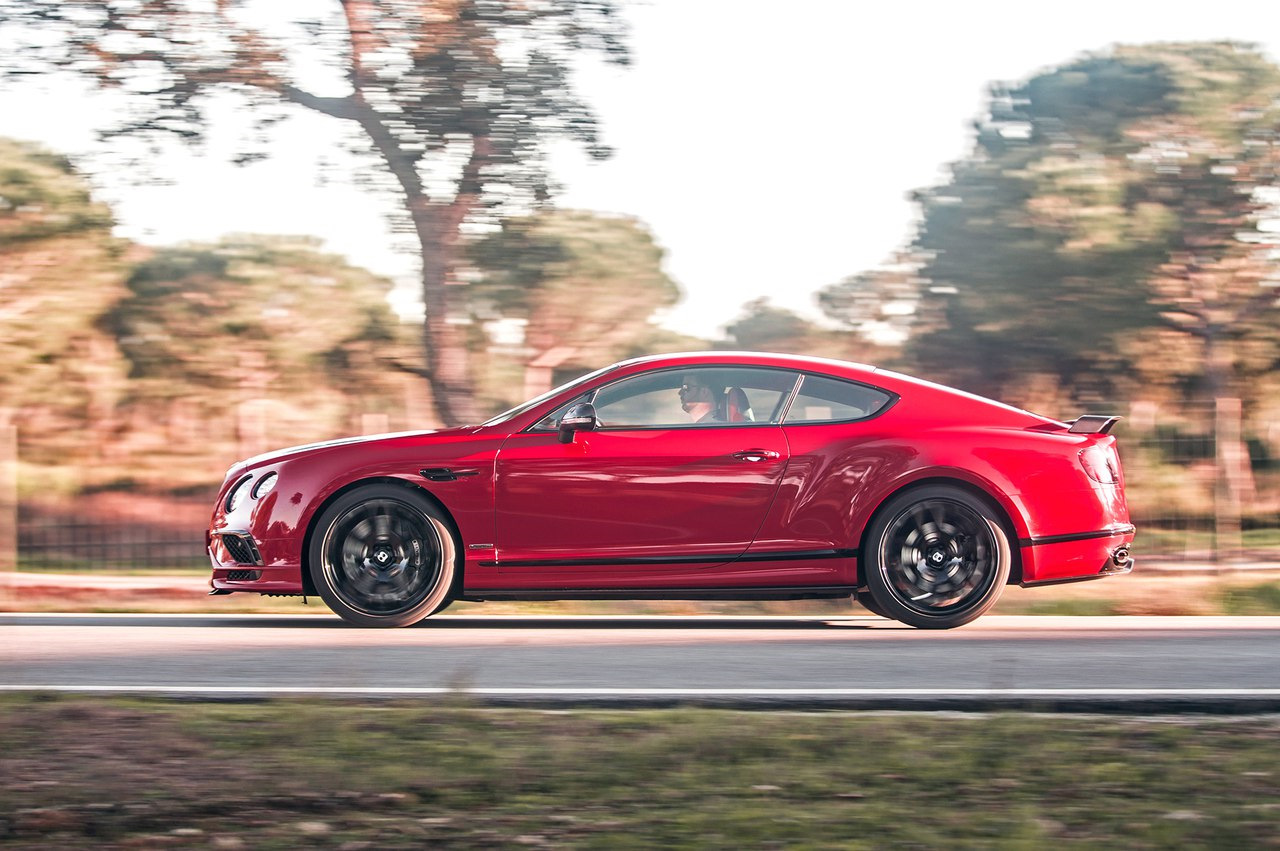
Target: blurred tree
59, 269
121, 363
582, 286
308, 316
264, 338
1105, 200
454, 100
880, 305
764, 327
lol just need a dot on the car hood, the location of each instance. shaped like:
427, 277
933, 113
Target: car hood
311, 448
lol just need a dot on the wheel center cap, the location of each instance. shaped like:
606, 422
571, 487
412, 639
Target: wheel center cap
937, 557
382, 556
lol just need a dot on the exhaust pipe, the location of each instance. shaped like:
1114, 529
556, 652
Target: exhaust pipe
1121, 560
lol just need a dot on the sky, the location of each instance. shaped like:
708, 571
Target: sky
770, 148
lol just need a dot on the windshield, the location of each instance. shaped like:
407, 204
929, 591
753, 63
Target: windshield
538, 400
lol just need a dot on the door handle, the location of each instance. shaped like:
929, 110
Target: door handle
757, 455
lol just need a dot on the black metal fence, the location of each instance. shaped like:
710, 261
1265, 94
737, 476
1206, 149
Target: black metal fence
109, 534
1203, 483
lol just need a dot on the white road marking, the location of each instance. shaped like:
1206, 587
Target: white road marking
414, 691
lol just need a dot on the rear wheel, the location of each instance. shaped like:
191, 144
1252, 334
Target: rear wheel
868, 602
936, 557
383, 556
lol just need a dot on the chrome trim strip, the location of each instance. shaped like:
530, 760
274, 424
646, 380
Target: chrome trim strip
751, 592
794, 555
1127, 529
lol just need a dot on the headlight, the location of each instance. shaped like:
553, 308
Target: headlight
264, 485
237, 494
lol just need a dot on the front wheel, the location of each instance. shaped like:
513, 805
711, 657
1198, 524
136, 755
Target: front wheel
383, 556
936, 557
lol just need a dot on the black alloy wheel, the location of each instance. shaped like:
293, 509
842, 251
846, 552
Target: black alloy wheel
383, 556
937, 557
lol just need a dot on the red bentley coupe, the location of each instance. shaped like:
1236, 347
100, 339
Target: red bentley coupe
711, 476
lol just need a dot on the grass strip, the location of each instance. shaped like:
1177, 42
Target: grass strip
78, 772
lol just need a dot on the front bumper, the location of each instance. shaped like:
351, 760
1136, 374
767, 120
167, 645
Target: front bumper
264, 576
245, 563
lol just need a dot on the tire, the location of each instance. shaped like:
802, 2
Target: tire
383, 556
869, 603
936, 557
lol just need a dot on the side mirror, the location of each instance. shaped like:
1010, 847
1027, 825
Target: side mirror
580, 417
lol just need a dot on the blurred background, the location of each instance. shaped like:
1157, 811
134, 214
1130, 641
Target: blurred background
230, 227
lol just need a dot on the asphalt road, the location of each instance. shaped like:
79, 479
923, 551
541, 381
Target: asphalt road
1159, 664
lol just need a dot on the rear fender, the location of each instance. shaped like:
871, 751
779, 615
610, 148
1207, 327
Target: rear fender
1009, 512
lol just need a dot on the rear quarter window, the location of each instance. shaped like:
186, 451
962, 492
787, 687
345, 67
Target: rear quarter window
830, 400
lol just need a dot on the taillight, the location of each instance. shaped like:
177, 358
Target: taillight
1101, 464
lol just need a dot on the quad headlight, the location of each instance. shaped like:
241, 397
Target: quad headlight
264, 485
237, 493
247, 486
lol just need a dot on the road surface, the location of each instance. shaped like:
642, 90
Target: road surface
1129, 663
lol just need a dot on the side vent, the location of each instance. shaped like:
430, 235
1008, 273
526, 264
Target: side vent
241, 548
445, 474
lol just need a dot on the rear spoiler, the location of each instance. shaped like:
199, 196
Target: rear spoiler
1093, 424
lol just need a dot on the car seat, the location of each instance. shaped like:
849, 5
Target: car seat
737, 408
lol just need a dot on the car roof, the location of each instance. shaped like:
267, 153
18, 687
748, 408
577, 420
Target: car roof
800, 362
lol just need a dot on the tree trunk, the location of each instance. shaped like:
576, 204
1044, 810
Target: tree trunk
1231, 457
435, 224
539, 372
443, 343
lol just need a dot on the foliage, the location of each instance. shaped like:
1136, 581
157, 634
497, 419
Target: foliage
251, 343
452, 103
42, 196
59, 269
1261, 599
127, 365
199, 316
880, 305
582, 287
765, 327
1110, 211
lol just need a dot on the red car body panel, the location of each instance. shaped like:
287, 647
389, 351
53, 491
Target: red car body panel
635, 494
645, 510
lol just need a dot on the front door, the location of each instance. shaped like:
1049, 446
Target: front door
664, 480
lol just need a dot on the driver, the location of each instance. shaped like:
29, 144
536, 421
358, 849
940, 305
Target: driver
698, 400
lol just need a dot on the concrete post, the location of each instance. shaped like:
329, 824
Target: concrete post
8, 497
1232, 470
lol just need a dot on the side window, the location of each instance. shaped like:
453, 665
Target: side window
825, 400
691, 397
642, 401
